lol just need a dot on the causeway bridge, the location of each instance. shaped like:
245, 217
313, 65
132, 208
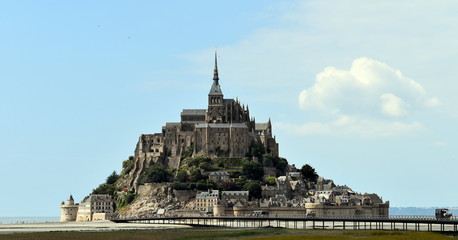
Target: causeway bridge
404, 223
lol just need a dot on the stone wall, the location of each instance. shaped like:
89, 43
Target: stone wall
376, 210
101, 216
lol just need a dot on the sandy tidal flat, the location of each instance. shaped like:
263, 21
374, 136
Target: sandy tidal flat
80, 226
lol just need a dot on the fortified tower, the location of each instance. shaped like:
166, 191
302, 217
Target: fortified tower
69, 210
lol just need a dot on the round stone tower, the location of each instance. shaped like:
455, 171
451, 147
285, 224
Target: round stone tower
219, 209
68, 210
239, 209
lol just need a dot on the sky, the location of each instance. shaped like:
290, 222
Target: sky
364, 91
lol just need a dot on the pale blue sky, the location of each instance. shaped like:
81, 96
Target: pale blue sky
363, 91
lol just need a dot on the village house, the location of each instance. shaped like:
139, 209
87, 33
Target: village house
205, 200
219, 177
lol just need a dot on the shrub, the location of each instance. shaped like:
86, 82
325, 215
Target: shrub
309, 173
104, 189
229, 162
127, 165
231, 186
253, 170
182, 176
235, 174
187, 153
201, 185
205, 185
255, 150
155, 173
205, 166
270, 180
180, 186
127, 199
195, 162
267, 161
195, 175
254, 189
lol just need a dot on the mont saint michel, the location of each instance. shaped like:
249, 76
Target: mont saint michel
220, 161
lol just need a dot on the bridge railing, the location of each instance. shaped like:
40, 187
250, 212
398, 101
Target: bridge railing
296, 217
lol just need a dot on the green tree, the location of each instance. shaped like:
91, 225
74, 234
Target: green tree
196, 161
253, 170
234, 173
281, 164
202, 185
205, 166
195, 175
105, 189
267, 161
231, 186
211, 184
255, 150
155, 173
309, 173
112, 178
182, 176
254, 188
180, 186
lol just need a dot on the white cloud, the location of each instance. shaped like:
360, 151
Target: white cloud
392, 105
367, 85
369, 100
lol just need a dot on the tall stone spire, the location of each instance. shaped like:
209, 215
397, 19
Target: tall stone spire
216, 88
215, 71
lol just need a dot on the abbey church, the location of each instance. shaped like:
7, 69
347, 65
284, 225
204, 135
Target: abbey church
223, 129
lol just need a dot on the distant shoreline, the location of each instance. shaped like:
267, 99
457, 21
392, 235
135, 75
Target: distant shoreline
23, 220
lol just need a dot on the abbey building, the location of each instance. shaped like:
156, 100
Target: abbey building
223, 129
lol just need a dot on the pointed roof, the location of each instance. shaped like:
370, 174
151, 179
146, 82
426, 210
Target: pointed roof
70, 198
216, 88
215, 71
239, 205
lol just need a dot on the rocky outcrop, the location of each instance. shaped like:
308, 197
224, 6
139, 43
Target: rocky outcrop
150, 198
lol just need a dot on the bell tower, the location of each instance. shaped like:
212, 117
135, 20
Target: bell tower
215, 99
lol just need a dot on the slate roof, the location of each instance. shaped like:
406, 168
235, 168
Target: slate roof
221, 125
194, 112
261, 126
215, 89
219, 174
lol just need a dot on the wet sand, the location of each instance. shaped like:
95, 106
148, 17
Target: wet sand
81, 226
